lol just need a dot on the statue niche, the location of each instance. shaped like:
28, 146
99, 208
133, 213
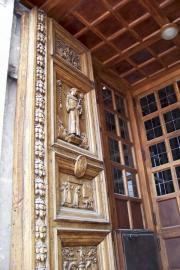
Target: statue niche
74, 109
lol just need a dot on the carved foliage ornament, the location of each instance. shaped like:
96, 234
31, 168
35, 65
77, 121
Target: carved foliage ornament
80, 258
68, 54
40, 180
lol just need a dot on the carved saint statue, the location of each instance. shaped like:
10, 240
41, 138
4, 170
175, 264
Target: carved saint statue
74, 109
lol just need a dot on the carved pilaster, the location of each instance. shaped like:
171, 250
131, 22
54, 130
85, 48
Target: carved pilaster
40, 180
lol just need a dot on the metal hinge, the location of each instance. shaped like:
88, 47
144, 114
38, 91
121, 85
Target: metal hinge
154, 218
158, 243
134, 102
143, 154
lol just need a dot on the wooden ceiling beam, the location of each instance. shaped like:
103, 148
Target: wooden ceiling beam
114, 60
98, 33
156, 81
123, 22
59, 8
154, 9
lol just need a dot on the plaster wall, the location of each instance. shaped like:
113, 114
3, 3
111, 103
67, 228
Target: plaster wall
8, 81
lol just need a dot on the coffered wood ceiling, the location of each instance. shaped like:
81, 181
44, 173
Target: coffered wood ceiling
124, 35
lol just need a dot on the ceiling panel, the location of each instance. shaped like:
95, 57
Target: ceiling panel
123, 35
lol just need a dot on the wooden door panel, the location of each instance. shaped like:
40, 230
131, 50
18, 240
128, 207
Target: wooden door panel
173, 247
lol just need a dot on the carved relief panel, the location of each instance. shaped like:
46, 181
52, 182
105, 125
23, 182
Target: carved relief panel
85, 250
80, 191
76, 194
80, 258
70, 53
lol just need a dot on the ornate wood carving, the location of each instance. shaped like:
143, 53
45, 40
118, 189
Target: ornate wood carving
40, 180
68, 54
59, 90
80, 258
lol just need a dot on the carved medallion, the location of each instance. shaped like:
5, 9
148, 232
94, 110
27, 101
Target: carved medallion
80, 166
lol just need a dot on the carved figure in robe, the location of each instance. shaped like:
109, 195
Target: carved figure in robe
74, 109
77, 191
66, 195
87, 195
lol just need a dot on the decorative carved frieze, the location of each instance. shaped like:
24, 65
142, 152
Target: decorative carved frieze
40, 181
80, 258
77, 195
68, 54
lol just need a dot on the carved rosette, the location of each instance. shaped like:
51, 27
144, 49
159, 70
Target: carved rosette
40, 181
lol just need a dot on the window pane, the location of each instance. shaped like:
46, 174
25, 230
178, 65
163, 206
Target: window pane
123, 129
158, 154
114, 150
128, 159
172, 120
120, 104
167, 96
148, 104
107, 97
110, 122
175, 147
131, 183
118, 181
178, 175
153, 128
163, 182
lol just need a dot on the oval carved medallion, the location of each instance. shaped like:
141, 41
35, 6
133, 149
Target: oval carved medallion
80, 166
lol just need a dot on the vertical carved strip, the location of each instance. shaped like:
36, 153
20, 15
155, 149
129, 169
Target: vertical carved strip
39, 166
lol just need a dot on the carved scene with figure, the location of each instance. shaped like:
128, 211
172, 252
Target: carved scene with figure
75, 193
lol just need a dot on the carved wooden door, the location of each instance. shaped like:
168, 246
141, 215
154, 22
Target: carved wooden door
61, 217
74, 206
